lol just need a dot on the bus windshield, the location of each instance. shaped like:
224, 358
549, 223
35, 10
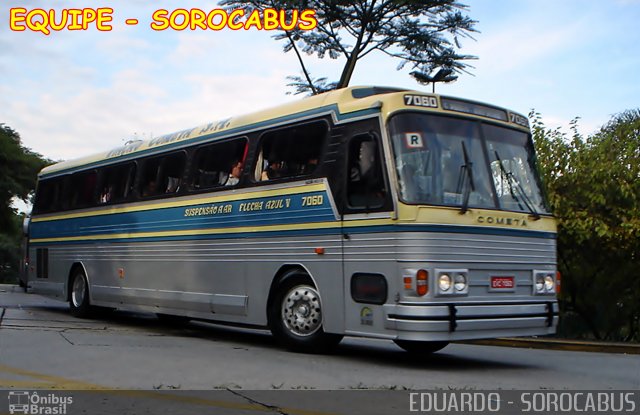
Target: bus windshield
454, 162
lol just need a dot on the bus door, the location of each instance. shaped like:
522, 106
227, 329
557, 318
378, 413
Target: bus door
368, 253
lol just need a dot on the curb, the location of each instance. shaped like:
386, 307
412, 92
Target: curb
10, 288
559, 344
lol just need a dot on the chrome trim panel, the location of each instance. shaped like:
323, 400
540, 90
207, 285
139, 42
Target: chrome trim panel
461, 321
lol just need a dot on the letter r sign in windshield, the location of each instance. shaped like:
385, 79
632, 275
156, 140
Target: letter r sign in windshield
414, 140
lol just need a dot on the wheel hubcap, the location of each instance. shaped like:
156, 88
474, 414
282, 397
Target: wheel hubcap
301, 311
77, 293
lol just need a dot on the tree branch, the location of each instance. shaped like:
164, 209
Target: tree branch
304, 68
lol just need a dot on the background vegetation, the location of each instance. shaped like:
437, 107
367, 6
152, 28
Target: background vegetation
593, 185
18, 169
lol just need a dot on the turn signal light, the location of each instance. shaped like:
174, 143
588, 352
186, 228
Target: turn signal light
558, 279
422, 282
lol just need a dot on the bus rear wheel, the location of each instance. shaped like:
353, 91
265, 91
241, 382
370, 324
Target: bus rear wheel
420, 347
79, 303
295, 316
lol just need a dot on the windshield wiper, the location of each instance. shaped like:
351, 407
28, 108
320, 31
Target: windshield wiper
465, 181
510, 180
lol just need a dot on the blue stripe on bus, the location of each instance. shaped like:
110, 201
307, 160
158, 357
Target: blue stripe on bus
279, 210
479, 230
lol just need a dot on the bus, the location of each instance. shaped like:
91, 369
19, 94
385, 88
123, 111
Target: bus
366, 211
19, 402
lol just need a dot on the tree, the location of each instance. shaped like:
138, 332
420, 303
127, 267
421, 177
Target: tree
594, 189
423, 34
18, 170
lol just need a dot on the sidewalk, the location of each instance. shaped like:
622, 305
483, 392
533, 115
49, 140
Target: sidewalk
10, 288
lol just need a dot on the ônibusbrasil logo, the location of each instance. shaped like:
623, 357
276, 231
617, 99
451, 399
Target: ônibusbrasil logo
34, 403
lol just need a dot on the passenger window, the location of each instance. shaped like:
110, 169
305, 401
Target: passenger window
162, 175
365, 183
117, 183
82, 189
218, 164
290, 152
48, 195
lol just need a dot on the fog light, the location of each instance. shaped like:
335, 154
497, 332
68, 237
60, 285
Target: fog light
444, 282
460, 282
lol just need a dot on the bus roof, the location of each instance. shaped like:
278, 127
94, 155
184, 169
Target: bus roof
343, 103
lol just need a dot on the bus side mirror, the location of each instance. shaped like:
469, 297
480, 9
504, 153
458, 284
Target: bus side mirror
25, 225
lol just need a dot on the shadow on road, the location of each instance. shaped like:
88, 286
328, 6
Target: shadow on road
450, 358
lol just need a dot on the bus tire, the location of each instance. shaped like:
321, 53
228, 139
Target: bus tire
420, 347
295, 316
79, 302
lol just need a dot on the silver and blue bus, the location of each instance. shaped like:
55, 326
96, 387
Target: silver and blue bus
367, 211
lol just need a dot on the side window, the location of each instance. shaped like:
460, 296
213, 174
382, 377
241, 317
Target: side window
290, 152
82, 189
218, 164
117, 183
365, 180
48, 195
162, 175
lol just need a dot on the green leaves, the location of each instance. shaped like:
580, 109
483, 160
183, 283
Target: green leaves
593, 185
421, 34
18, 166
18, 169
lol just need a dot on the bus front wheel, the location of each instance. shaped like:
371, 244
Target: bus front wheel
79, 303
295, 316
419, 347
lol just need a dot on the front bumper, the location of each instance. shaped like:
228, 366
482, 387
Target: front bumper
462, 321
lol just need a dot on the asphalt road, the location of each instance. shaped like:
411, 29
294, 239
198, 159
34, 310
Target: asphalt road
42, 346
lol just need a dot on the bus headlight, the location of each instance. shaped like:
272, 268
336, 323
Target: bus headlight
452, 281
460, 282
549, 284
544, 282
444, 283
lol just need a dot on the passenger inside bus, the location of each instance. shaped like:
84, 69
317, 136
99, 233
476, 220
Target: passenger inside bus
309, 166
105, 196
234, 175
173, 185
273, 170
150, 189
365, 185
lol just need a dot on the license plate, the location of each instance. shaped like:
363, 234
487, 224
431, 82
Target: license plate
498, 283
